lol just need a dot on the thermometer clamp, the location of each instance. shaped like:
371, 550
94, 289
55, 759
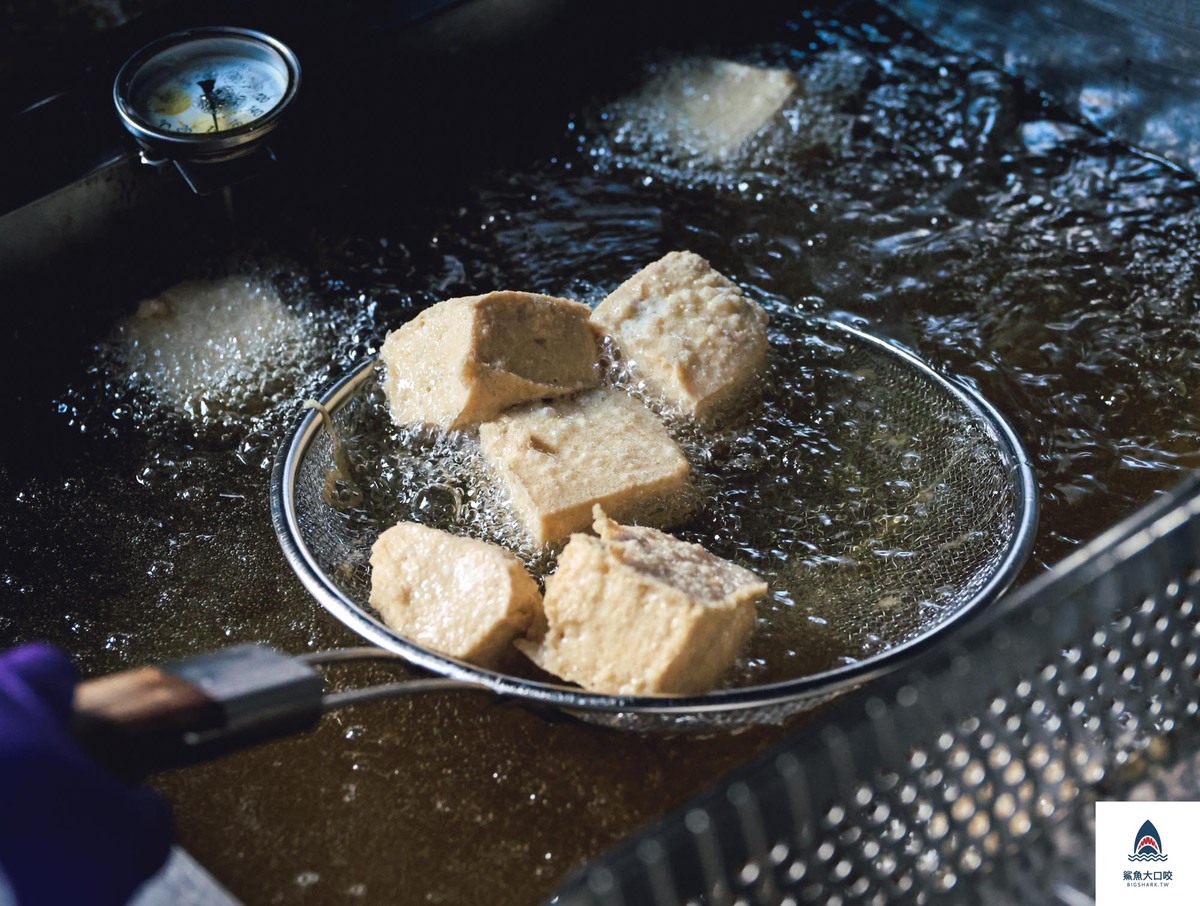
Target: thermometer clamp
205, 97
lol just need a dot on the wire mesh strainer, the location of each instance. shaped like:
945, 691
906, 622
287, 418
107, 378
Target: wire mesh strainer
887, 503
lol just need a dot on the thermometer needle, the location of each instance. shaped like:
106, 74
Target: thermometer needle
208, 86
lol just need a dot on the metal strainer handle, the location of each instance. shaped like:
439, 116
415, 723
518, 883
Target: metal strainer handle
165, 716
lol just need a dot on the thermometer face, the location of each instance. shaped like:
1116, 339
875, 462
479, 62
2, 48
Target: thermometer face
209, 85
206, 90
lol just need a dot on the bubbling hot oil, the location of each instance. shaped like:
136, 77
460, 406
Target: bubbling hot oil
957, 211
871, 499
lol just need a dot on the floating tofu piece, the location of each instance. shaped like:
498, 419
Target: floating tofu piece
560, 458
637, 611
466, 360
460, 596
217, 351
717, 106
690, 333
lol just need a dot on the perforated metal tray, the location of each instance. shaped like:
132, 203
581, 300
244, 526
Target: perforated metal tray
971, 776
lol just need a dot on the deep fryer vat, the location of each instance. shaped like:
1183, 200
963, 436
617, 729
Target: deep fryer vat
501, 800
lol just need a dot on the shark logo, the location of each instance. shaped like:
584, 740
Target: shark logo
1147, 846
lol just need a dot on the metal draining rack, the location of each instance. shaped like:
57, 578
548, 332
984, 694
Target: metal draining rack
971, 776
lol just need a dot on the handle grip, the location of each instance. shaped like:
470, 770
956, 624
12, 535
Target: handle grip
166, 716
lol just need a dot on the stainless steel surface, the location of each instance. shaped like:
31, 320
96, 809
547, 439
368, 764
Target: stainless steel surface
78, 214
315, 540
183, 882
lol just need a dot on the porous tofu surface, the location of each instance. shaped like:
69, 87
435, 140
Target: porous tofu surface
636, 612
560, 458
688, 331
466, 360
459, 596
718, 107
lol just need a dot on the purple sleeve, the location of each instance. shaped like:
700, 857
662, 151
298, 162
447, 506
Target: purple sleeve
70, 833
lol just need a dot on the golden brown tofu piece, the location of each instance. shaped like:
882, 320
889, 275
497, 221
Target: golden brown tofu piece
559, 458
637, 612
460, 596
690, 333
466, 360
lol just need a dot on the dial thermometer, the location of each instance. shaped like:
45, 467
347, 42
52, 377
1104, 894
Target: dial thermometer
206, 96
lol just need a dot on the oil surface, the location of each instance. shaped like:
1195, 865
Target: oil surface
944, 205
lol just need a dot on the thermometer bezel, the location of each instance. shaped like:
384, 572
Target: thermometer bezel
199, 146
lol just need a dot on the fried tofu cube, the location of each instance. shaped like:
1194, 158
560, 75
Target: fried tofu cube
688, 331
717, 106
459, 596
466, 360
559, 458
636, 611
